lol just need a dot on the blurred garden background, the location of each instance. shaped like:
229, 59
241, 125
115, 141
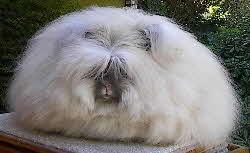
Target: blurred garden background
223, 25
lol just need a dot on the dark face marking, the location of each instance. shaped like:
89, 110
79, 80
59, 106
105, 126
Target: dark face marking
108, 89
110, 83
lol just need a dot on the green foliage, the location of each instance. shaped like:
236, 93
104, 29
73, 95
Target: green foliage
19, 21
117, 3
188, 13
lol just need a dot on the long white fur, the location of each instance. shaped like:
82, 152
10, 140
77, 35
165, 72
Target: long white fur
181, 91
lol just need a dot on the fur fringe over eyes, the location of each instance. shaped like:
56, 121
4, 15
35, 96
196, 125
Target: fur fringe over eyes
122, 74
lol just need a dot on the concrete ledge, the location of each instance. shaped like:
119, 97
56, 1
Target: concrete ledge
16, 139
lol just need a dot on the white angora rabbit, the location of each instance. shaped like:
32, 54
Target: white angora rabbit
122, 74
